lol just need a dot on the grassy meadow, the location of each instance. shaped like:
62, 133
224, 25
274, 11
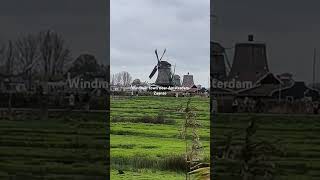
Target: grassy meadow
63, 147
298, 136
146, 142
145, 136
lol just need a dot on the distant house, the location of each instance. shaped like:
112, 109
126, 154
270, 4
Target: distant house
270, 85
14, 84
193, 89
298, 90
264, 87
286, 78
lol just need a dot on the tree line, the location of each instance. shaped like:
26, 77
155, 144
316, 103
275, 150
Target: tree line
124, 79
44, 54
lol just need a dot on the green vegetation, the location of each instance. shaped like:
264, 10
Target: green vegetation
72, 147
144, 174
146, 141
296, 136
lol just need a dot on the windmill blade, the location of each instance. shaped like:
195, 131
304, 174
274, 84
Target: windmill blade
163, 54
155, 51
153, 71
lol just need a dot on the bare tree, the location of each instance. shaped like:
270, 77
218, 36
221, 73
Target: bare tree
2, 52
113, 80
126, 78
53, 54
46, 50
118, 79
8, 58
122, 79
28, 54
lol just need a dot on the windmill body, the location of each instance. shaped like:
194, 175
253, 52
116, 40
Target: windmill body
218, 65
250, 61
176, 80
165, 75
188, 81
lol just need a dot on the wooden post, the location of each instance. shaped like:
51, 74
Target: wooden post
314, 68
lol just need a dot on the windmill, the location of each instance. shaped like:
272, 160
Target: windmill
250, 61
187, 80
175, 78
164, 71
220, 64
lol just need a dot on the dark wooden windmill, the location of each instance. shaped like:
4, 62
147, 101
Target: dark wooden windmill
250, 61
220, 64
165, 75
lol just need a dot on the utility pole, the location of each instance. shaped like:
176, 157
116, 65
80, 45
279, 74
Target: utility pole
279, 97
314, 67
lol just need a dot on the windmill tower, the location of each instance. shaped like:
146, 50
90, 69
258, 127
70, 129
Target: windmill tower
187, 80
175, 78
164, 71
219, 60
250, 61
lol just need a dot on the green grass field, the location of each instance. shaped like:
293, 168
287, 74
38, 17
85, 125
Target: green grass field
145, 174
146, 150
60, 148
297, 135
73, 147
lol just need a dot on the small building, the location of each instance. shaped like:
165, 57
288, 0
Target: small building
263, 88
187, 81
297, 91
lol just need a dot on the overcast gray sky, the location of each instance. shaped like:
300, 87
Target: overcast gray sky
138, 27
82, 23
289, 27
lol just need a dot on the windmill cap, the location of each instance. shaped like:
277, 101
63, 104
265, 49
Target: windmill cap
166, 63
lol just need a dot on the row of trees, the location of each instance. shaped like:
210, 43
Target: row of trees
44, 53
125, 79
44, 57
121, 79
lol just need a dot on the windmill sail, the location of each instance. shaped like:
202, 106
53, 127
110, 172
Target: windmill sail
163, 68
153, 71
155, 51
163, 54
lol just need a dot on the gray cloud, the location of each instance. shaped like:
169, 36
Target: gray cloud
289, 27
82, 23
182, 26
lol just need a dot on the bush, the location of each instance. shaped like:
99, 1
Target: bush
172, 163
159, 119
